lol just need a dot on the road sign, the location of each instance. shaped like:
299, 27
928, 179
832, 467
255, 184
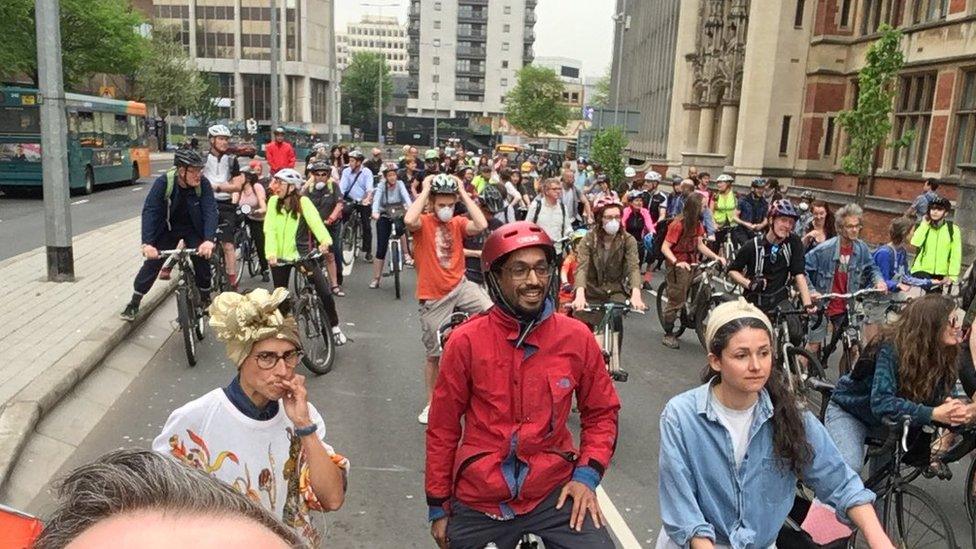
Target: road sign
252, 126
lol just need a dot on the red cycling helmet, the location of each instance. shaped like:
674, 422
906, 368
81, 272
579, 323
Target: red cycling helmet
256, 167
511, 237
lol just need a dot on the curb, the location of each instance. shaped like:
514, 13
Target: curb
21, 414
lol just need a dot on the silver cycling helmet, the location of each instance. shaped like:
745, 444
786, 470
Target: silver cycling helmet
289, 177
218, 130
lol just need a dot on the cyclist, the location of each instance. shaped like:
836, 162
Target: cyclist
683, 245
287, 209
432, 162
474, 244
892, 262
939, 244
842, 264
179, 206
567, 273
725, 208
254, 196
806, 213
439, 260
575, 201
508, 471
920, 206
733, 448
279, 153
389, 205
765, 265
224, 174
601, 189
323, 191
481, 180
637, 222
655, 200
356, 186
549, 212
752, 213
822, 227
582, 175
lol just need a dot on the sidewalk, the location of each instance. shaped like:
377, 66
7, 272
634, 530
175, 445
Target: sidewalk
52, 335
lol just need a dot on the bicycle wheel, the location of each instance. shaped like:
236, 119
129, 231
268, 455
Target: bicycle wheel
913, 519
395, 265
185, 315
250, 256
679, 327
971, 493
815, 400
239, 259
313, 328
350, 233
701, 318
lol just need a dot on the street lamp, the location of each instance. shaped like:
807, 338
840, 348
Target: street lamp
436, 44
623, 20
379, 80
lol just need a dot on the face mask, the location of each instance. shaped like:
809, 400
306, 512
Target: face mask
804, 206
612, 226
320, 185
445, 214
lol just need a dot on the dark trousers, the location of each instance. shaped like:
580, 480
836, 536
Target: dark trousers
257, 238
168, 241
366, 219
335, 231
384, 228
281, 274
470, 529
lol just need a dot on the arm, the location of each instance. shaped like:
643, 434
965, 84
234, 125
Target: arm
886, 266
314, 222
208, 207
677, 489
706, 251
709, 222
412, 218
884, 391
632, 257
477, 224
377, 199
582, 265
327, 478
154, 211
404, 194
290, 156
262, 199
744, 261
918, 237
271, 220
833, 481
599, 407
955, 259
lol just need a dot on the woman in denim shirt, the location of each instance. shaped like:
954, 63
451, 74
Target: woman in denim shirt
733, 448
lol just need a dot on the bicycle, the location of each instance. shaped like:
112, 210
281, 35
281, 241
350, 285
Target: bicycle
314, 331
848, 331
351, 235
220, 282
444, 330
246, 251
808, 382
611, 330
394, 255
189, 304
699, 302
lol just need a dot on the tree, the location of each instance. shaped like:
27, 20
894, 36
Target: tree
97, 36
360, 85
868, 125
601, 97
608, 151
535, 106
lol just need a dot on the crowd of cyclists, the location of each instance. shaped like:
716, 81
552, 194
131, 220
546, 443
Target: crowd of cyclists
528, 250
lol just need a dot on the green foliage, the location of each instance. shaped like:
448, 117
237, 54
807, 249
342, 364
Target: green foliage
97, 36
868, 125
535, 105
601, 97
608, 151
169, 80
360, 84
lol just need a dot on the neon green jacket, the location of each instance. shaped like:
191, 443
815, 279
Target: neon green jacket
281, 229
939, 250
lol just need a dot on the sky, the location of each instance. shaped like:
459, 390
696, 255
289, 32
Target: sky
578, 29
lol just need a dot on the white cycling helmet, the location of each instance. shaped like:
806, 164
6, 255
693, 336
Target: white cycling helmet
289, 176
652, 175
630, 172
725, 178
218, 130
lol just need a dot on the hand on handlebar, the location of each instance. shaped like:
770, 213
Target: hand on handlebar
882, 286
324, 247
579, 303
683, 265
149, 251
950, 412
376, 217
637, 302
206, 249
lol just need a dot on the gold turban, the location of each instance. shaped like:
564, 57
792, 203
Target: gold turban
241, 320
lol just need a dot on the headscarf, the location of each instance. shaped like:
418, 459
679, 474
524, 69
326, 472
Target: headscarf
241, 320
729, 311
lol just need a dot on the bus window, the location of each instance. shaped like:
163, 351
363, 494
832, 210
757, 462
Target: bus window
104, 121
73, 124
137, 131
86, 129
20, 120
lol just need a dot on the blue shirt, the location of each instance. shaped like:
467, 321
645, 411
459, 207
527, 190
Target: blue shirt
893, 264
703, 494
386, 198
753, 209
357, 185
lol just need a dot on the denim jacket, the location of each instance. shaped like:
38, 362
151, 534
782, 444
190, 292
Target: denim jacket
822, 261
702, 494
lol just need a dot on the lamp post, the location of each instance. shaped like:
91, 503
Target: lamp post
275, 99
621, 19
379, 80
436, 44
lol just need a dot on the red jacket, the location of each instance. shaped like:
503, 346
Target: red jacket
279, 156
515, 409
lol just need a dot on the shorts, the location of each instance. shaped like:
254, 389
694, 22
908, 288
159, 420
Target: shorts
227, 220
818, 334
876, 311
467, 297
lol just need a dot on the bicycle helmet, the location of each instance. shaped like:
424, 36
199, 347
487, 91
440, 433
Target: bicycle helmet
725, 178
759, 182
634, 194
319, 166
492, 199
605, 202
431, 154
941, 203
808, 196
320, 145
218, 130
357, 154
289, 176
630, 172
188, 158
513, 237
280, 130
578, 235
783, 208
443, 184
389, 167
652, 175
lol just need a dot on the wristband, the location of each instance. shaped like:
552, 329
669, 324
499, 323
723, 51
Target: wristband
305, 431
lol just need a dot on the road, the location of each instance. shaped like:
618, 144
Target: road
370, 403
22, 218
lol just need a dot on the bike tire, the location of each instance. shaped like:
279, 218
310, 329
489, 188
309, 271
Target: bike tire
185, 315
239, 261
395, 266
701, 318
349, 243
313, 330
679, 325
970, 494
814, 399
895, 523
251, 259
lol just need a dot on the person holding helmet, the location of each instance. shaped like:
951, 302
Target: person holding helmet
223, 172
510, 376
474, 244
323, 190
432, 162
939, 244
752, 213
725, 210
439, 259
180, 206
766, 265
389, 205
356, 186
288, 210
279, 153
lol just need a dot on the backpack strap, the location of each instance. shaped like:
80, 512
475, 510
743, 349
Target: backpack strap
760, 257
537, 202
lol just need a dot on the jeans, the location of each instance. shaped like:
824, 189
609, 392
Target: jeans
384, 228
849, 434
281, 273
168, 241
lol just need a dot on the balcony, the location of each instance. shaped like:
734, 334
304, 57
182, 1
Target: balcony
471, 52
472, 16
472, 36
529, 4
413, 29
529, 35
463, 87
530, 18
413, 65
528, 55
476, 72
472, 2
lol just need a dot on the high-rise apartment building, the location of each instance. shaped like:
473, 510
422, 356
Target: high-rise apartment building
374, 34
464, 54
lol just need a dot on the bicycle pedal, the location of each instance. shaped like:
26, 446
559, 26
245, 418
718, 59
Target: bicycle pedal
619, 375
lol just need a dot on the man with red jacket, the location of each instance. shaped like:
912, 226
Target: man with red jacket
279, 153
510, 375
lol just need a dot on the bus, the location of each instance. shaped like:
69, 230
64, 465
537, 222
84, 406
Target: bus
107, 140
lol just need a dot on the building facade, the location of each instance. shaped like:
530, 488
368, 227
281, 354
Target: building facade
464, 54
570, 72
230, 39
374, 34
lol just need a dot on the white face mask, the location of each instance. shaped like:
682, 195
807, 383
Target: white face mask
320, 185
445, 214
804, 206
612, 226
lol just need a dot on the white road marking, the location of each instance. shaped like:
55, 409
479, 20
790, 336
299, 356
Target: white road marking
136, 189
615, 521
76, 202
161, 171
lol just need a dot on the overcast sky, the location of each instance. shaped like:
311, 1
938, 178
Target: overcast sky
578, 29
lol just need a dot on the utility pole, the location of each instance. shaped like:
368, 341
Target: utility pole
275, 53
379, 78
54, 145
621, 19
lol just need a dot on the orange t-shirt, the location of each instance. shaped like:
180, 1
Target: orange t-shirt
438, 254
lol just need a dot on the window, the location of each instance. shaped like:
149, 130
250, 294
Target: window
508, 10
784, 136
504, 82
574, 97
437, 25
506, 28
966, 123
436, 80
435, 96
798, 16
437, 6
828, 147
257, 96
913, 111
436, 61
505, 64
503, 99
876, 12
928, 10
504, 46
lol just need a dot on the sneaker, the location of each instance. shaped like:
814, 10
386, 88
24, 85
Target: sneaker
339, 337
265, 277
422, 418
166, 273
375, 283
670, 342
369, 257
130, 312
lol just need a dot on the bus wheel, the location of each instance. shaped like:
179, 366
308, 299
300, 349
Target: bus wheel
89, 181
135, 174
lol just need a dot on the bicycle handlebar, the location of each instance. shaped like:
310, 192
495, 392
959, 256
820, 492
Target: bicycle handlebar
610, 306
178, 251
310, 256
858, 295
893, 422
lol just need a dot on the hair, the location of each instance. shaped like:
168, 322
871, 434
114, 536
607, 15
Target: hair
291, 203
505, 174
899, 228
690, 216
128, 481
830, 230
933, 183
850, 210
513, 174
789, 434
552, 181
926, 365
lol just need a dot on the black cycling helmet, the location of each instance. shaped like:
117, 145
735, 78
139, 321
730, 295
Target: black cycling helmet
319, 166
783, 208
759, 182
492, 198
188, 158
941, 203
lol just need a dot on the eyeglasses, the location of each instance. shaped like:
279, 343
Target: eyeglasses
320, 174
520, 271
267, 360
856, 226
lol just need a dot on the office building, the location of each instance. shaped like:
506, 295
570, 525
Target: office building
569, 72
374, 34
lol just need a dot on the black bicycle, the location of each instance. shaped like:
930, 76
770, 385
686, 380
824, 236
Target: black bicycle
848, 332
244, 243
964, 444
610, 332
804, 374
314, 330
702, 297
394, 255
189, 304
352, 232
